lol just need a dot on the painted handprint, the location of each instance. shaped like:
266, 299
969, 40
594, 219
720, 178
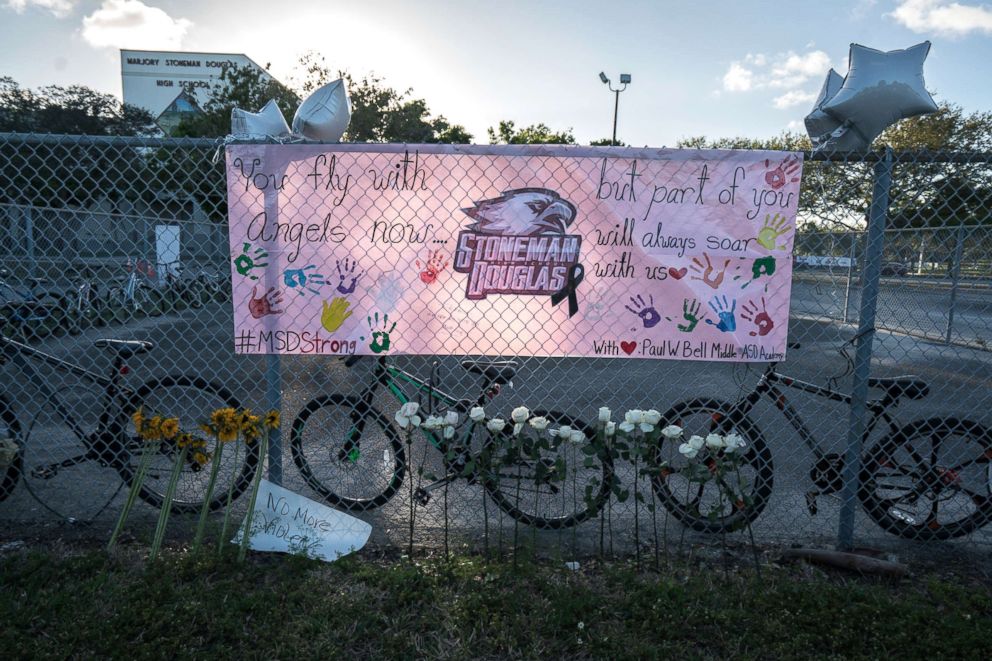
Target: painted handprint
334, 314
389, 291
763, 266
646, 311
690, 312
761, 320
774, 227
705, 273
245, 263
303, 279
265, 304
346, 271
436, 263
380, 338
785, 172
725, 312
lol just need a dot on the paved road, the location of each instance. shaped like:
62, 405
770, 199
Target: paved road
198, 342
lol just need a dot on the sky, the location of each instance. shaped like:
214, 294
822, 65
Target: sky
719, 68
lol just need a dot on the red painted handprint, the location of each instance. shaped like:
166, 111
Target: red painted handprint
761, 320
435, 264
265, 304
785, 172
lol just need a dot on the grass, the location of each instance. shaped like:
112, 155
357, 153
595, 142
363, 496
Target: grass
89, 605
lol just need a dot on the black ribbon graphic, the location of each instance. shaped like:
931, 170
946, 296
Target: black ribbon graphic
575, 275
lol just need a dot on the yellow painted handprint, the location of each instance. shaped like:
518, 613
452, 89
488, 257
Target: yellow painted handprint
773, 228
334, 314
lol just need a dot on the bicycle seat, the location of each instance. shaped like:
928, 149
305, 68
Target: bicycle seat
909, 387
497, 371
124, 348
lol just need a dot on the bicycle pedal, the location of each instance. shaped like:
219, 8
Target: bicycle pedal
44, 472
422, 496
811, 502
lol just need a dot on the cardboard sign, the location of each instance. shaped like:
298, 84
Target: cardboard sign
286, 522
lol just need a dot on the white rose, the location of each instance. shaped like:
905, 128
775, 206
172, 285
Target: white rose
477, 414
496, 425
633, 416
696, 442
402, 420
714, 441
451, 418
576, 436
688, 451
517, 428
564, 431
733, 442
671, 432
433, 422
610, 428
449, 433
539, 423
652, 417
552, 433
604, 414
627, 427
646, 427
409, 409
520, 414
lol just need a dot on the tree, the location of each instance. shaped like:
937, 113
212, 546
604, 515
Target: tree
535, 134
63, 173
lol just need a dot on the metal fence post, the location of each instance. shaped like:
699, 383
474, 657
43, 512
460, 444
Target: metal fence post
28, 214
273, 400
955, 276
850, 278
862, 360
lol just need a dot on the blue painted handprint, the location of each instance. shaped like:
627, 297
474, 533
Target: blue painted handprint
727, 324
302, 279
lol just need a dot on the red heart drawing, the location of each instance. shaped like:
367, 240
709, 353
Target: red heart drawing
678, 274
628, 347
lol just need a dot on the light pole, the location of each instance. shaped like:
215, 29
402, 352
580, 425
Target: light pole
624, 80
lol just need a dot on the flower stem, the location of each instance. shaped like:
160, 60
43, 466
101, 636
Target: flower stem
202, 523
163, 515
256, 482
221, 545
136, 483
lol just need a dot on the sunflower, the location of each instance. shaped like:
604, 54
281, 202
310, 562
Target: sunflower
138, 417
272, 420
151, 430
184, 440
169, 428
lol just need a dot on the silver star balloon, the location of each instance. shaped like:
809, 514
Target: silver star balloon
266, 122
880, 89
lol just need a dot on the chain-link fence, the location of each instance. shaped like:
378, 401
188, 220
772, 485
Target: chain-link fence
126, 238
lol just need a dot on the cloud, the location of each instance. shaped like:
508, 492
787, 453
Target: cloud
58, 8
793, 98
737, 78
782, 71
795, 125
942, 17
133, 24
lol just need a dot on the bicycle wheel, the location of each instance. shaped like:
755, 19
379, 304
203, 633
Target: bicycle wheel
146, 302
549, 483
930, 479
191, 400
10, 430
54, 315
67, 467
726, 501
348, 452
194, 293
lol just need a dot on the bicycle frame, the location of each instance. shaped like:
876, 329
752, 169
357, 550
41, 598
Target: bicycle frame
767, 386
112, 421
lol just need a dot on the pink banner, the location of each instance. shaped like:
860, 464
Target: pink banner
512, 250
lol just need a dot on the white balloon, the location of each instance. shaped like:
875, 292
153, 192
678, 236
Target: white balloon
266, 122
819, 124
880, 89
325, 114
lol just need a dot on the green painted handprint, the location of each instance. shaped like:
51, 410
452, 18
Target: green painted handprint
773, 228
689, 313
380, 338
245, 263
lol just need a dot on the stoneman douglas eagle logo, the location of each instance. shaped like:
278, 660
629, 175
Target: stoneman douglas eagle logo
518, 245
